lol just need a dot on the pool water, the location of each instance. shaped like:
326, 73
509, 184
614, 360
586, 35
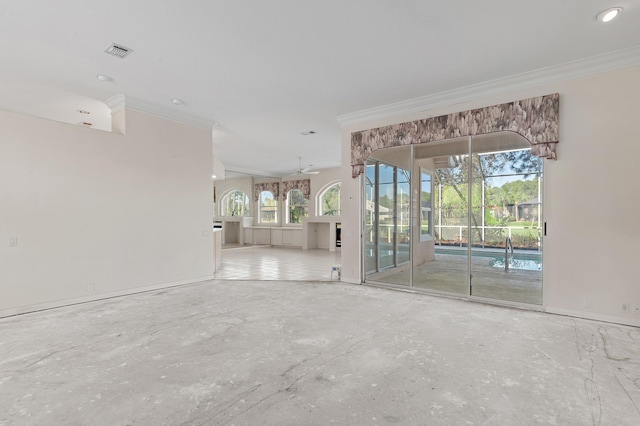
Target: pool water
515, 263
520, 261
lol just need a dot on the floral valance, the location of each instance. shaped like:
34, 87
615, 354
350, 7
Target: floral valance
536, 119
303, 185
273, 187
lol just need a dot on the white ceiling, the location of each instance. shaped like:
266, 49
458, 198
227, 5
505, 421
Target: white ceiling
267, 70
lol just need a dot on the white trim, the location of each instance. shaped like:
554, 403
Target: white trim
116, 103
231, 169
587, 315
626, 320
171, 112
593, 65
95, 297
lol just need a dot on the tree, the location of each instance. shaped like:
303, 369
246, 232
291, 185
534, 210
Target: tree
237, 203
331, 201
455, 181
298, 206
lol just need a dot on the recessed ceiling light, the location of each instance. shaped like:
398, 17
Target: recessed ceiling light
177, 101
103, 77
608, 14
213, 176
83, 111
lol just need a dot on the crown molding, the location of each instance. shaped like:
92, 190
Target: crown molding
116, 103
170, 113
584, 67
232, 169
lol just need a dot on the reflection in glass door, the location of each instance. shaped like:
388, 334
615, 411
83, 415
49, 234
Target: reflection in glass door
387, 216
403, 215
443, 195
370, 219
387, 225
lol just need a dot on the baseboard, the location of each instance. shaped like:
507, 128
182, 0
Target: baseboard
94, 297
635, 322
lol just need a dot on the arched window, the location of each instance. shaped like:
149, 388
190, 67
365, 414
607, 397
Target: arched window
297, 206
267, 208
329, 201
235, 203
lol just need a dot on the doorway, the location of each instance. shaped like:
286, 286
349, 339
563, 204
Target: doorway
457, 217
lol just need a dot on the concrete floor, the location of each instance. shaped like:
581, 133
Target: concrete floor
228, 352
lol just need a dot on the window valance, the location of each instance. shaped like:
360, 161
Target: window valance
303, 185
536, 119
273, 187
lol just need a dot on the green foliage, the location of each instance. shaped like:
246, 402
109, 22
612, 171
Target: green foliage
236, 204
484, 167
386, 201
331, 201
298, 206
509, 193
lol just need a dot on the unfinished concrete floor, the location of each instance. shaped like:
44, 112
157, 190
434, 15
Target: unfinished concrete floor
312, 353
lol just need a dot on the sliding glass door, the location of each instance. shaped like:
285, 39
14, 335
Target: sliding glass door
506, 250
469, 224
434, 269
387, 221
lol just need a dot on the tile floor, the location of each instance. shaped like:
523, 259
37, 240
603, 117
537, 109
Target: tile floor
267, 263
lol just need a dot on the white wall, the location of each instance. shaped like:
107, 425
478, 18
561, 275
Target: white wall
591, 201
97, 213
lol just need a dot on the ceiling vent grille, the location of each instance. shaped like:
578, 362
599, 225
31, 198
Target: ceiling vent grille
117, 50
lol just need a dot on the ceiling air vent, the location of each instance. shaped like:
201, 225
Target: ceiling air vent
117, 50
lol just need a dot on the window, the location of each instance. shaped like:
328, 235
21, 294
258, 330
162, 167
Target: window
426, 204
235, 203
329, 201
297, 206
268, 208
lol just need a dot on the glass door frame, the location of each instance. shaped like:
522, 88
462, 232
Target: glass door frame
396, 211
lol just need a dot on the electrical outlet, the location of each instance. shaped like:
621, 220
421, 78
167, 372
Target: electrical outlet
588, 302
13, 241
91, 288
636, 309
625, 307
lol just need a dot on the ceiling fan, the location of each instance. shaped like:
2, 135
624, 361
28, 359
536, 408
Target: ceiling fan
304, 171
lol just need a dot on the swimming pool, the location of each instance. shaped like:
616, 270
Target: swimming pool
520, 261
515, 263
